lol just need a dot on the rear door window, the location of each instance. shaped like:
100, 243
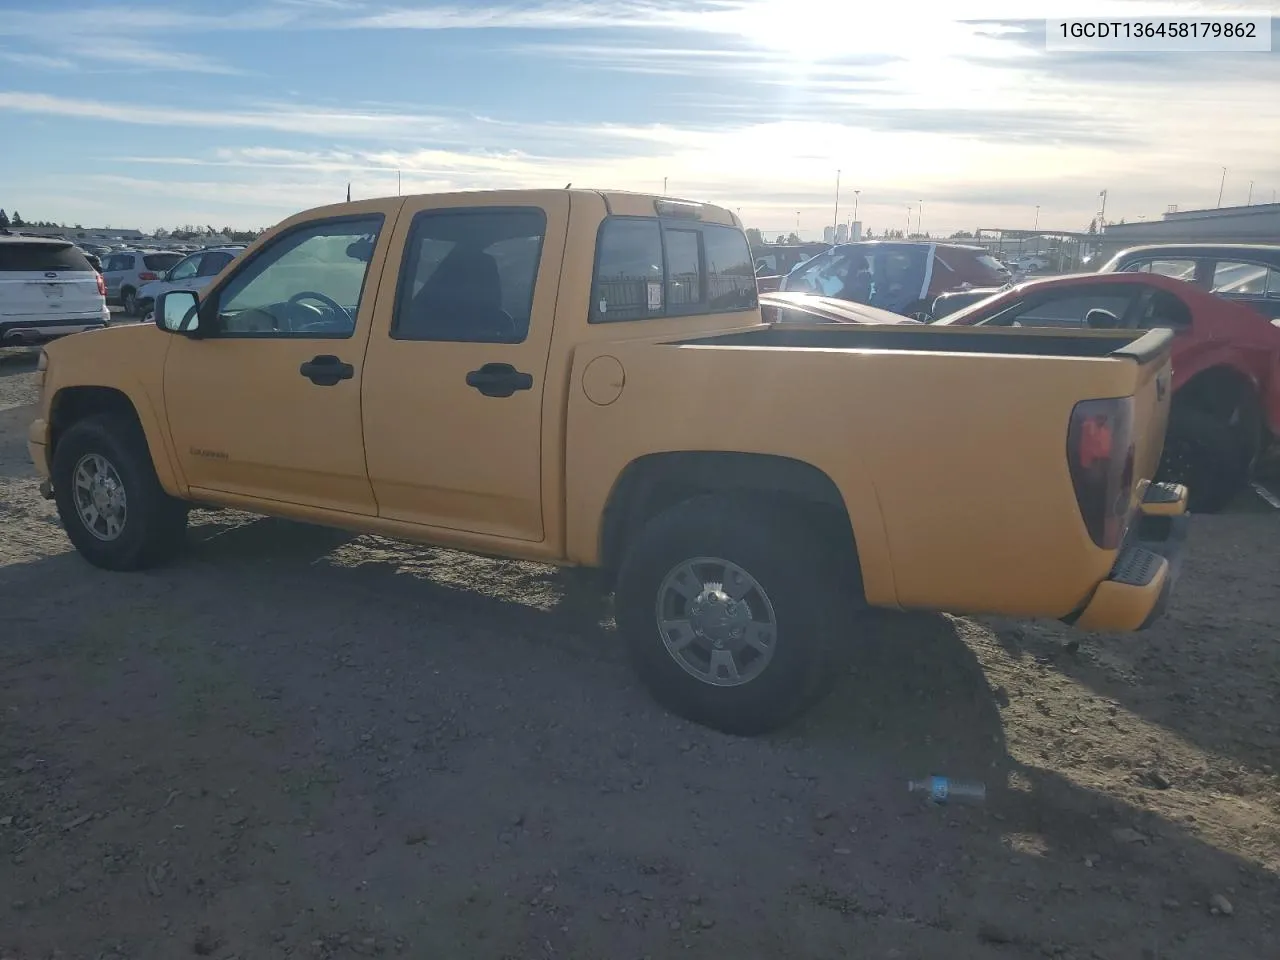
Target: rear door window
629, 277
1178, 269
469, 275
1244, 279
213, 263
651, 267
684, 268
731, 282
41, 258
161, 262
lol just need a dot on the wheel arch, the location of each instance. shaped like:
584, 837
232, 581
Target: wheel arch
73, 404
1213, 387
655, 482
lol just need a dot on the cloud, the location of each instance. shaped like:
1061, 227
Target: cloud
285, 118
36, 60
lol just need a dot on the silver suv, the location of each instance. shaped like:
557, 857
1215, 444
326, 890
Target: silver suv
125, 272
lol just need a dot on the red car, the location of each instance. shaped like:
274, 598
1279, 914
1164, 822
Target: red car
1226, 365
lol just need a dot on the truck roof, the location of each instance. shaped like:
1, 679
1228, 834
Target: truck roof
617, 203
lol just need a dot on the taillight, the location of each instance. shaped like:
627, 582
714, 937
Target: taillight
147, 276
102, 285
1100, 451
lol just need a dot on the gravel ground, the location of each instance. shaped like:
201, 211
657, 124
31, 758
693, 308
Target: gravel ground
298, 743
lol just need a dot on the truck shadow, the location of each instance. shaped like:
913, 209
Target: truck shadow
270, 637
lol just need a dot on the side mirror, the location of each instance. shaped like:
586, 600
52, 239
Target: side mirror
178, 311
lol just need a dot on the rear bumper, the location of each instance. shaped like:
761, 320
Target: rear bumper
1137, 591
29, 330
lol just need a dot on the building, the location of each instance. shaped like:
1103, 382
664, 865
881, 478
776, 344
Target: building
842, 233
1258, 223
828, 234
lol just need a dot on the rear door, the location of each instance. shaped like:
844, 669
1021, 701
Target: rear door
457, 363
46, 281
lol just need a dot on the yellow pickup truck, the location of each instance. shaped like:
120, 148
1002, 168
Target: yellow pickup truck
583, 378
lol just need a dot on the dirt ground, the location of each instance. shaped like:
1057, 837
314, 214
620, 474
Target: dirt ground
296, 743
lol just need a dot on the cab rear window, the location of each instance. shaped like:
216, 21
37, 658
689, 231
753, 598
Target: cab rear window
41, 257
648, 267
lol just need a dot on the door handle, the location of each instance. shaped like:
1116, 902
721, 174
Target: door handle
499, 380
326, 370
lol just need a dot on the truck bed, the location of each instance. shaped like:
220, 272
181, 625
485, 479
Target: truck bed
1141, 346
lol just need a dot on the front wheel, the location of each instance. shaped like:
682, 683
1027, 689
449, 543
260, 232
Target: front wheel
730, 614
109, 499
130, 302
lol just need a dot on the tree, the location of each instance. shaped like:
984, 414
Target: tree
962, 235
17, 219
4, 220
1093, 225
781, 239
793, 238
754, 238
868, 234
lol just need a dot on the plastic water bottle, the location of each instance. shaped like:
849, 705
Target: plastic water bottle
944, 790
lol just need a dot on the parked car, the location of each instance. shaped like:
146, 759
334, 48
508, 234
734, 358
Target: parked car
127, 271
1245, 272
900, 276
486, 372
187, 273
1226, 365
775, 260
48, 289
1028, 263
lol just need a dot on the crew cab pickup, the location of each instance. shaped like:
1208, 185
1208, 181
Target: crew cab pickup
584, 379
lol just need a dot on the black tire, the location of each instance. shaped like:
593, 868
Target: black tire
1208, 456
785, 556
154, 525
129, 300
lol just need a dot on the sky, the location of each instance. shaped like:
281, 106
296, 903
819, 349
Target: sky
132, 113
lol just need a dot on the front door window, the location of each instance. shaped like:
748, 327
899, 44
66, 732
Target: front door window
308, 283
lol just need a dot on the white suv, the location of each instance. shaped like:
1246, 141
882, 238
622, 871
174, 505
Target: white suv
125, 272
47, 290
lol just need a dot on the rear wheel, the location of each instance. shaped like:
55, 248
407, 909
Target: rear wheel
110, 501
731, 613
129, 298
1210, 455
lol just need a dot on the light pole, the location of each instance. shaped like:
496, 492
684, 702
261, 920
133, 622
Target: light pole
1102, 215
797, 224
1249, 202
855, 205
1036, 225
908, 233
1222, 185
664, 186
835, 217
919, 219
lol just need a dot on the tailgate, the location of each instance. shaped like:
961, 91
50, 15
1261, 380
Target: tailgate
50, 293
1152, 396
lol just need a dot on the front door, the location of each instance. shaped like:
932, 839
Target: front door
267, 404
453, 401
